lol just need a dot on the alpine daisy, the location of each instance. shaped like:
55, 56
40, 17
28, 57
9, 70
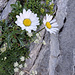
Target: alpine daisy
50, 25
27, 20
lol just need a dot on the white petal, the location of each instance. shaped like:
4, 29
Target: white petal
24, 11
54, 25
37, 18
47, 29
20, 24
20, 20
21, 16
54, 20
35, 28
22, 28
44, 21
28, 13
24, 14
36, 15
51, 32
29, 31
46, 16
49, 17
32, 17
35, 23
16, 22
54, 30
17, 16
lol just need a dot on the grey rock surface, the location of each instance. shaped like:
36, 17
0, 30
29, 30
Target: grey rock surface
7, 9
2, 4
67, 42
42, 61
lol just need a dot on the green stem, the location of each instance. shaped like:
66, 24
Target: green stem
41, 30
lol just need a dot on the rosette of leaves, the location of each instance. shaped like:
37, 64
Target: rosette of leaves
17, 40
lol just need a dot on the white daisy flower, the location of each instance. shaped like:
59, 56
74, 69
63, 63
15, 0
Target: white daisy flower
50, 25
27, 20
16, 64
16, 70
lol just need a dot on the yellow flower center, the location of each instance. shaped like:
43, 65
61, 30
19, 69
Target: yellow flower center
48, 25
27, 22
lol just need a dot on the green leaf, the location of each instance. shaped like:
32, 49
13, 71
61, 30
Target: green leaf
14, 40
21, 42
13, 6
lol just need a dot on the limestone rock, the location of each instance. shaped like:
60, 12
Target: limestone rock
7, 9
67, 42
2, 4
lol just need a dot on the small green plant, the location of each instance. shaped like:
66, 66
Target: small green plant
14, 41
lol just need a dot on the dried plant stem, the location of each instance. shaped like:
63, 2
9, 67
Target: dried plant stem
26, 72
